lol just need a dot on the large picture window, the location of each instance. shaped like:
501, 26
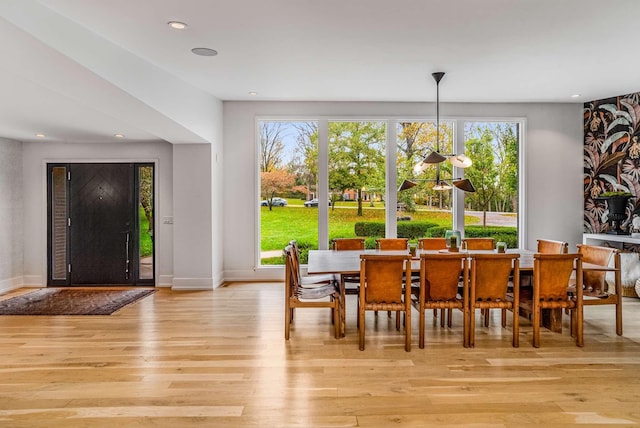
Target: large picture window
323, 179
288, 167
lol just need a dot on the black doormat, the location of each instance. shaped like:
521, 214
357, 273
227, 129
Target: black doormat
71, 301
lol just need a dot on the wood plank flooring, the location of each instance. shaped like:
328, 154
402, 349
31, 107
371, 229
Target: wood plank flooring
219, 359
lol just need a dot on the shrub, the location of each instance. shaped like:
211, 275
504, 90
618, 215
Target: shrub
369, 228
410, 230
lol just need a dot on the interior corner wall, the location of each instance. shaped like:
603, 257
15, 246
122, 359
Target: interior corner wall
552, 166
35, 156
192, 219
11, 210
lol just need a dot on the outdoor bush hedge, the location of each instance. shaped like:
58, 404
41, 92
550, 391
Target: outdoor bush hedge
410, 230
499, 233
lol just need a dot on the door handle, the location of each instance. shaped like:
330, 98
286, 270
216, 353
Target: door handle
128, 261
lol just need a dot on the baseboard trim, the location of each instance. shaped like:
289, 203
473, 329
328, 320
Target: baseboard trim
11, 284
165, 281
192, 284
33, 281
275, 273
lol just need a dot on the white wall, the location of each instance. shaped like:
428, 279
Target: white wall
11, 203
553, 166
192, 252
34, 159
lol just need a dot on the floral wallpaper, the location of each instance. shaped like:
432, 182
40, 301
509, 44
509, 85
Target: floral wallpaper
611, 157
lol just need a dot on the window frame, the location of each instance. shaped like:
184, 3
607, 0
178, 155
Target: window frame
391, 122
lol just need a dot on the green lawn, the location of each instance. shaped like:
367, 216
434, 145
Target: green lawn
146, 244
282, 224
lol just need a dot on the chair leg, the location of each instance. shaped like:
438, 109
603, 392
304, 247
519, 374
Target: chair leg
442, 317
397, 320
619, 314
421, 328
407, 329
361, 327
536, 326
449, 317
486, 317
288, 315
336, 317
579, 327
465, 327
472, 327
516, 328
504, 318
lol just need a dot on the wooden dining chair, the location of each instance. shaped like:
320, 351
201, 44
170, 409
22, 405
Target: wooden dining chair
595, 290
480, 243
307, 279
392, 244
349, 283
398, 244
439, 281
551, 274
549, 246
385, 285
347, 244
321, 294
432, 244
490, 280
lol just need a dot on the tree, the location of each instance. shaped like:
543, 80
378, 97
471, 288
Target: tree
274, 182
306, 155
271, 145
483, 173
146, 193
415, 140
356, 153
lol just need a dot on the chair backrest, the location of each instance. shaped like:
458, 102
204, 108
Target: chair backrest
295, 259
345, 244
381, 277
292, 271
490, 274
392, 244
549, 246
440, 275
551, 275
480, 243
432, 244
599, 256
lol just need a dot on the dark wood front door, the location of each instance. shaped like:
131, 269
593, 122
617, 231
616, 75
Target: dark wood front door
102, 223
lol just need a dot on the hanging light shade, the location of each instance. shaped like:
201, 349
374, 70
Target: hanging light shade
442, 186
407, 184
464, 184
460, 161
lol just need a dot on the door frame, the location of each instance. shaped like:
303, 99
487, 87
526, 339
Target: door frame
45, 212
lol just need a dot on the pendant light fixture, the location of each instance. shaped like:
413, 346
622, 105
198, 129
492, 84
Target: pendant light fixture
435, 157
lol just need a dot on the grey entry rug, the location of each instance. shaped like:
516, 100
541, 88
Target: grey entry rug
71, 301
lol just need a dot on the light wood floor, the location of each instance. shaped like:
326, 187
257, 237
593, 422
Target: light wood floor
219, 358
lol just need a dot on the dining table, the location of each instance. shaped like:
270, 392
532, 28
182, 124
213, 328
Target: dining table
348, 263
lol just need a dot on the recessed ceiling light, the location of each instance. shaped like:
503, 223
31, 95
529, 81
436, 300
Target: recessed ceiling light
575, 96
40, 135
253, 93
118, 135
204, 51
177, 25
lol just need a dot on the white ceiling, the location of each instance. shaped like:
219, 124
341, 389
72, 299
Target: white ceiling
83, 70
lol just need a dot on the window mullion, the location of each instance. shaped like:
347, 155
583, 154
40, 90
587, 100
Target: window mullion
323, 184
